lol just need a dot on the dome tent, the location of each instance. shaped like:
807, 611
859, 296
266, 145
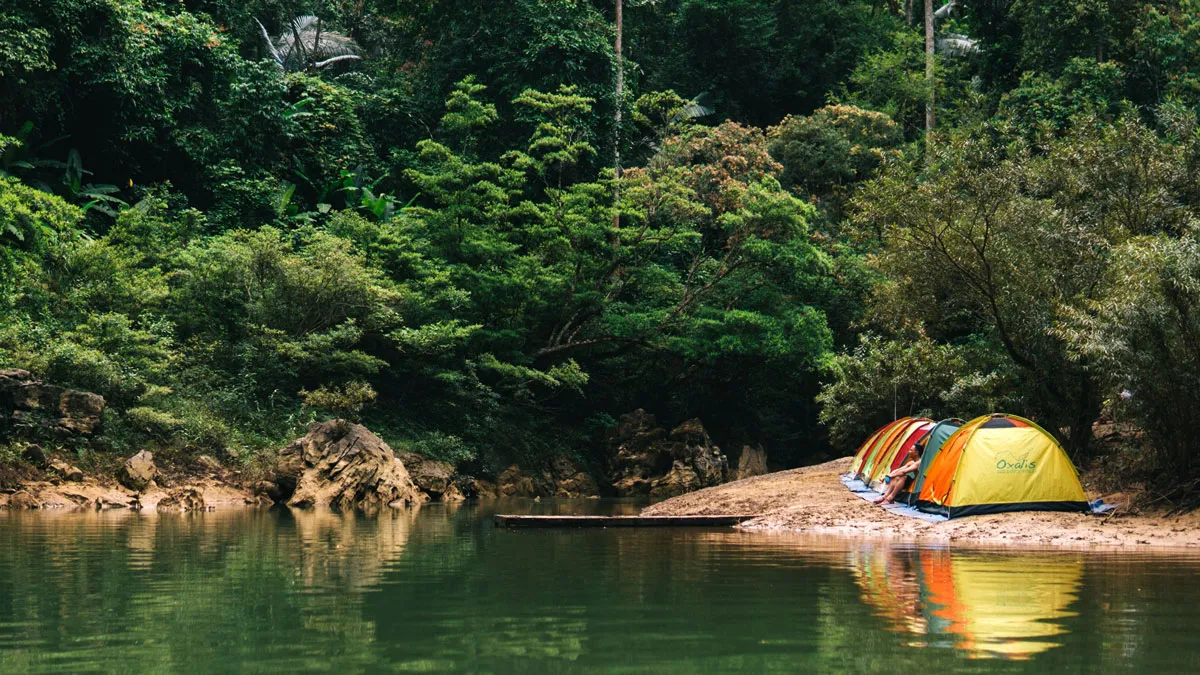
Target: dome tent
873, 441
933, 441
890, 458
998, 463
882, 451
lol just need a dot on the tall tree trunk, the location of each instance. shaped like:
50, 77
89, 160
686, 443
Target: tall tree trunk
908, 13
929, 80
617, 116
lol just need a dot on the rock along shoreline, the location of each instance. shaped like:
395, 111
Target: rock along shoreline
344, 466
808, 500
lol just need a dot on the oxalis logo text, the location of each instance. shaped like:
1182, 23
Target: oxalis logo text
1015, 464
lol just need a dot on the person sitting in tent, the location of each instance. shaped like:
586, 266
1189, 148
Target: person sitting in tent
897, 479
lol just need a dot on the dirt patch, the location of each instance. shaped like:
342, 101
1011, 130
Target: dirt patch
812, 499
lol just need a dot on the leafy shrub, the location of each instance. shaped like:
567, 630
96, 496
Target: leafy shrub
155, 423
347, 401
444, 447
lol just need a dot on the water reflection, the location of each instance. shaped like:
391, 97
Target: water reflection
440, 590
989, 604
891, 585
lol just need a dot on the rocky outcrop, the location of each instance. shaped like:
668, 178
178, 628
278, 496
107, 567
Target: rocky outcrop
343, 466
23, 500
572, 480
66, 471
513, 482
753, 462
483, 489
436, 479
28, 401
563, 478
182, 499
650, 462
100, 493
138, 472
639, 458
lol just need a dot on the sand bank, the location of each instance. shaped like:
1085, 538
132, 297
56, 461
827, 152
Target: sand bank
811, 499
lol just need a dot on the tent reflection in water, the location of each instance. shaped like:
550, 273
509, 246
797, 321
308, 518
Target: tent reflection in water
889, 584
988, 605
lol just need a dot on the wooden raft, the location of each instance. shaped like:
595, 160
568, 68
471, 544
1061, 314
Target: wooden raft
619, 521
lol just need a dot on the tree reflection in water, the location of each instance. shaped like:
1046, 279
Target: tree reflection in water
439, 589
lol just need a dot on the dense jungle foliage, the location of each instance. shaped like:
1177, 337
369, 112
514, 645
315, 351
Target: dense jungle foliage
230, 217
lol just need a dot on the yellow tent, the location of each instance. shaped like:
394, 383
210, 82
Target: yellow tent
1001, 463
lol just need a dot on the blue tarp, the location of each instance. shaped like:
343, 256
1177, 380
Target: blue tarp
865, 493
868, 495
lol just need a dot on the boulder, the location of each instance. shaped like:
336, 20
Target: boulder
182, 499
78, 500
79, 411
436, 479
513, 482
67, 471
753, 462
138, 472
483, 489
689, 443
26, 400
640, 456
23, 499
649, 462
343, 466
571, 479
114, 500
34, 454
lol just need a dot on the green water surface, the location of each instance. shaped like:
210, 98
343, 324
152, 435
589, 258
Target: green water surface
440, 590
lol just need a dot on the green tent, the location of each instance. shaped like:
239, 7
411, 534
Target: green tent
933, 441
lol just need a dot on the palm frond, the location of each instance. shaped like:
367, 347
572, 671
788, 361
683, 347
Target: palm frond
954, 44
307, 43
698, 107
335, 59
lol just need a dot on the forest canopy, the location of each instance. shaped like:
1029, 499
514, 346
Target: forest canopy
792, 219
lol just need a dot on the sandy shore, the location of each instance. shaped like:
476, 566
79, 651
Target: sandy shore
812, 499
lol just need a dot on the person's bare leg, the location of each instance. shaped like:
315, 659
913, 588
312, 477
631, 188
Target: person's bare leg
883, 497
887, 490
893, 490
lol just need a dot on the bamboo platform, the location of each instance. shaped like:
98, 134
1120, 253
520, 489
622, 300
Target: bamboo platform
617, 521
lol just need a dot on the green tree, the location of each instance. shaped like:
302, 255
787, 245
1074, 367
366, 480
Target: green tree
1143, 337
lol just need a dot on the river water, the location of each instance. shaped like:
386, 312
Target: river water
440, 590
